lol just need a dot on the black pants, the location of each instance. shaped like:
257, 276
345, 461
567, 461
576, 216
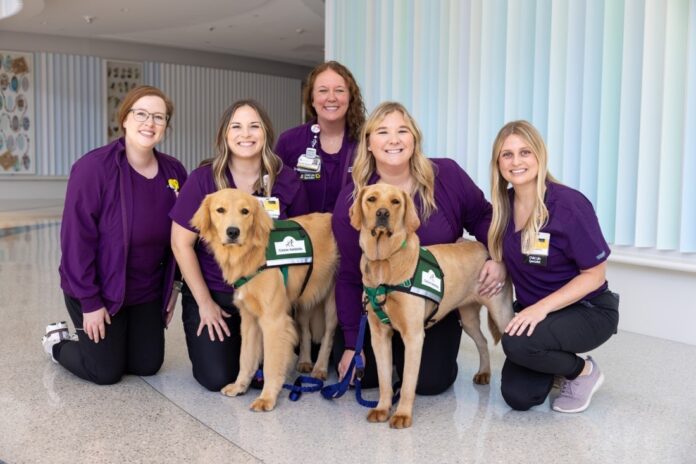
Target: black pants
134, 344
438, 369
532, 361
215, 363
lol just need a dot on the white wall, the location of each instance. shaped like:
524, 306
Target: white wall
656, 302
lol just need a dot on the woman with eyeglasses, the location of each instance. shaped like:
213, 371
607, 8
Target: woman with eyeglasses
243, 160
117, 269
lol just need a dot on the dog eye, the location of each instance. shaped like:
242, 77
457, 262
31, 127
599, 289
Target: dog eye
371, 199
395, 201
245, 211
220, 210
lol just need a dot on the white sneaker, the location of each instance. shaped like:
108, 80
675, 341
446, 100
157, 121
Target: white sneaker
55, 333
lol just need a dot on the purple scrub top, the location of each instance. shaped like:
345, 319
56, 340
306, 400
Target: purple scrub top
335, 168
576, 243
98, 223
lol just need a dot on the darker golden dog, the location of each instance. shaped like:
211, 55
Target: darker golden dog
387, 220
237, 229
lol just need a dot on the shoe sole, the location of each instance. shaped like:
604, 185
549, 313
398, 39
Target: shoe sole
598, 384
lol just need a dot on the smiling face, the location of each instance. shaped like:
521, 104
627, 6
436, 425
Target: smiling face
330, 96
392, 142
245, 134
517, 162
145, 135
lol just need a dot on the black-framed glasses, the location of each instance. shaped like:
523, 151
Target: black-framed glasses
141, 116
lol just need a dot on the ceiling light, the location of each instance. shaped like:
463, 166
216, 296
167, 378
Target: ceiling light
89, 19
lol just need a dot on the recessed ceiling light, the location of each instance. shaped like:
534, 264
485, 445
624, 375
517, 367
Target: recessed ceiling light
88, 18
299, 30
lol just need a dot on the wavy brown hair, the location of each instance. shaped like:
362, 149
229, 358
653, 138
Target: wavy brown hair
499, 189
271, 164
355, 116
420, 166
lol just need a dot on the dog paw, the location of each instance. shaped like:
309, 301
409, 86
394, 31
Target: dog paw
482, 378
233, 389
304, 367
262, 404
378, 415
319, 374
400, 421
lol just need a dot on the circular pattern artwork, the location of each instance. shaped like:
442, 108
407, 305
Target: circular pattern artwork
16, 112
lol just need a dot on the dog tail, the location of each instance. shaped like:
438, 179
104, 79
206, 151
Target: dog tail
493, 327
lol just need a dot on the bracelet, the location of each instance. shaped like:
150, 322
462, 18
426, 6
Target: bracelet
177, 285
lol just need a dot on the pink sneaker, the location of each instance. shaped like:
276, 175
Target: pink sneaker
576, 394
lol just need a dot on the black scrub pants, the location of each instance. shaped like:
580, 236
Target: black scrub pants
438, 369
533, 361
134, 344
215, 363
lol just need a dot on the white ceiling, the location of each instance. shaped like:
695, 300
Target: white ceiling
283, 30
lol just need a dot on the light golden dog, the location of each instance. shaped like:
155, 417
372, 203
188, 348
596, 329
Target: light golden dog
387, 220
237, 229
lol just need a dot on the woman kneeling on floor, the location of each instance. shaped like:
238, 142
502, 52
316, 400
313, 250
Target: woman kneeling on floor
117, 269
549, 238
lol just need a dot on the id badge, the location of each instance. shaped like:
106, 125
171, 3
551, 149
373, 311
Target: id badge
309, 163
540, 252
271, 205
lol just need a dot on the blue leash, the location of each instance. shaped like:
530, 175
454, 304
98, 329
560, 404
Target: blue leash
337, 390
302, 384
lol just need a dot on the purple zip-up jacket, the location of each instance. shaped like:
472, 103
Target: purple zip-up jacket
96, 227
460, 205
335, 168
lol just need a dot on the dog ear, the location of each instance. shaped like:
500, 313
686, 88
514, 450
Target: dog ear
201, 220
411, 220
261, 226
355, 211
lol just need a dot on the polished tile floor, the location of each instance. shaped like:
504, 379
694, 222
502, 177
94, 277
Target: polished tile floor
644, 413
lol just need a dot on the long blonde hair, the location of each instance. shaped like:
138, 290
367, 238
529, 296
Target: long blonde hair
421, 167
271, 164
499, 189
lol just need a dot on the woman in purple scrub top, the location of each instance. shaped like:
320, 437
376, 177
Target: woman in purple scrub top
321, 151
448, 202
549, 237
243, 160
117, 270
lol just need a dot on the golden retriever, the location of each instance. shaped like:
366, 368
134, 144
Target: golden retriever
387, 220
237, 229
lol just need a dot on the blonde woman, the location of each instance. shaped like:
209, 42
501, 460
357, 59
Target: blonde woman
448, 202
243, 160
549, 237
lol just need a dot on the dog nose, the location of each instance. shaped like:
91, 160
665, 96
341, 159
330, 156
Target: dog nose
233, 232
382, 213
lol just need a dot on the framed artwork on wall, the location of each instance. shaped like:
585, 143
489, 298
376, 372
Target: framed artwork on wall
17, 154
121, 77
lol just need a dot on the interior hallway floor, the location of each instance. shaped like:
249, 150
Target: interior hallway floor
644, 413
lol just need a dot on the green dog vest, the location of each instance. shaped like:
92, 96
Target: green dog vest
427, 282
288, 245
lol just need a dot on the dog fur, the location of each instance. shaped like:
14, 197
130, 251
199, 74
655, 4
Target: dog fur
264, 302
386, 261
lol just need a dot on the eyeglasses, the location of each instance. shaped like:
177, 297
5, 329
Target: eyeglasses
158, 118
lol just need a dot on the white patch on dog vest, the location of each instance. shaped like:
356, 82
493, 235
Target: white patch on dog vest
290, 245
429, 279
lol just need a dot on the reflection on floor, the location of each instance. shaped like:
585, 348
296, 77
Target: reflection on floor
645, 412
